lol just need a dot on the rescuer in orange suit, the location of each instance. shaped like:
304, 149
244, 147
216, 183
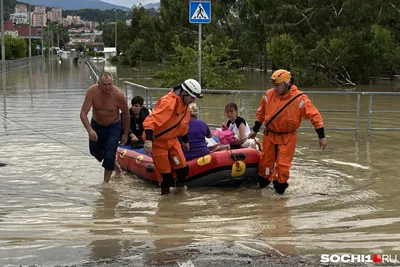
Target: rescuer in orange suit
281, 124
162, 127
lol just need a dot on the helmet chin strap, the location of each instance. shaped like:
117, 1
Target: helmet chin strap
288, 87
178, 91
183, 98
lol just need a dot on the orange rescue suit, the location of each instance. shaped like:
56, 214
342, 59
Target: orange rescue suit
281, 135
167, 152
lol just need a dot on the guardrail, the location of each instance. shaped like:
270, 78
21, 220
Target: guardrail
16, 63
93, 70
151, 95
371, 110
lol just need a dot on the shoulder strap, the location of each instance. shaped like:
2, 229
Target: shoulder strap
172, 127
281, 109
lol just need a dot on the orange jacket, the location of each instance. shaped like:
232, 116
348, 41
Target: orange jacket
290, 118
168, 111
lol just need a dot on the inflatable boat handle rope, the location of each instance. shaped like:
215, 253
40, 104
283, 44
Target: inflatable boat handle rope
151, 162
135, 158
228, 148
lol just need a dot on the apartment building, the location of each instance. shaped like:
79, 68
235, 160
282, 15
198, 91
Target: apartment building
21, 9
55, 15
39, 19
83, 35
19, 18
39, 9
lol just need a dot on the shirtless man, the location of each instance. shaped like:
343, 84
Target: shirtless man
105, 127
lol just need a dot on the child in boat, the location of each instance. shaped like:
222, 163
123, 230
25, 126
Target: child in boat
239, 127
138, 114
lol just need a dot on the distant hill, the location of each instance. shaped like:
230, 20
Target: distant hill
75, 4
152, 5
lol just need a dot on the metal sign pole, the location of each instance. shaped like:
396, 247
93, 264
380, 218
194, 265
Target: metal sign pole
200, 53
42, 37
3, 50
30, 31
200, 12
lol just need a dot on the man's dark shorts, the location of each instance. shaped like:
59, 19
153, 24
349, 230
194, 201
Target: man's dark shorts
106, 146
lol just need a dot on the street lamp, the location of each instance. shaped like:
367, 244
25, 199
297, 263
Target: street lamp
30, 33
42, 36
116, 19
3, 49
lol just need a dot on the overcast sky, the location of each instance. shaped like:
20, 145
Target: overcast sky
130, 3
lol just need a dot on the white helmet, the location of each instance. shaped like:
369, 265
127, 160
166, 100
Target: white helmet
192, 87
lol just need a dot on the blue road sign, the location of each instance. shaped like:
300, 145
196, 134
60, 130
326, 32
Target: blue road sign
37, 47
95, 49
200, 12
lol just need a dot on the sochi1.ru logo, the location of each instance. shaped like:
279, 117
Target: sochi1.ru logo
359, 258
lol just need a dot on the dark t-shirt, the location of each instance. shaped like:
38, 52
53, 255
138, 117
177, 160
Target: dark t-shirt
137, 123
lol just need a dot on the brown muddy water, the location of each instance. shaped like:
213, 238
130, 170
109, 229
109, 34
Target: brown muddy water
54, 209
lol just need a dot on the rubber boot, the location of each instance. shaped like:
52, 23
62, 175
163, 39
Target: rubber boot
166, 183
263, 182
181, 176
165, 190
280, 188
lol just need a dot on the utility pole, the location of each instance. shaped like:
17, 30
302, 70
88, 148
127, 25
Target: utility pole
3, 48
58, 36
51, 40
42, 38
30, 33
116, 28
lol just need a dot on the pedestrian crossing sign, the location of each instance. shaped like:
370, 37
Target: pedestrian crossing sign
200, 12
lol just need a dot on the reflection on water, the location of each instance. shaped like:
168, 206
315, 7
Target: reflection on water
55, 210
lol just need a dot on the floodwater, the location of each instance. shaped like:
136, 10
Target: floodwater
54, 209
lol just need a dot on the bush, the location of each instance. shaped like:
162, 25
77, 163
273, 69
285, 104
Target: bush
125, 61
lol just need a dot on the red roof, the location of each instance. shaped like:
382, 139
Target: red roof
23, 30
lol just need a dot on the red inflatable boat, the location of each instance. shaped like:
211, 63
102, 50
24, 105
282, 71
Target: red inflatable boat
227, 167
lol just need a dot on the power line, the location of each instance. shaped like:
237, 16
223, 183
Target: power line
52, 138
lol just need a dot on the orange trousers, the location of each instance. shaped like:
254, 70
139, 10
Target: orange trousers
276, 156
167, 156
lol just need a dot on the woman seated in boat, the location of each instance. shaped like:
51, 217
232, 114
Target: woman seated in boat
197, 133
239, 127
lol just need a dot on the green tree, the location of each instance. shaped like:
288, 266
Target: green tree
103, 16
175, 22
124, 36
343, 41
217, 68
9, 8
15, 47
108, 36
145, 35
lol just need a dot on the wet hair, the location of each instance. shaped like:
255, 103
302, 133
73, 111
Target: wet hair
137, 100
105, 74
194, 111
231, 106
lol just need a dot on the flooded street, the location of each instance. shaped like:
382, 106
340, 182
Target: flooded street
54, 209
